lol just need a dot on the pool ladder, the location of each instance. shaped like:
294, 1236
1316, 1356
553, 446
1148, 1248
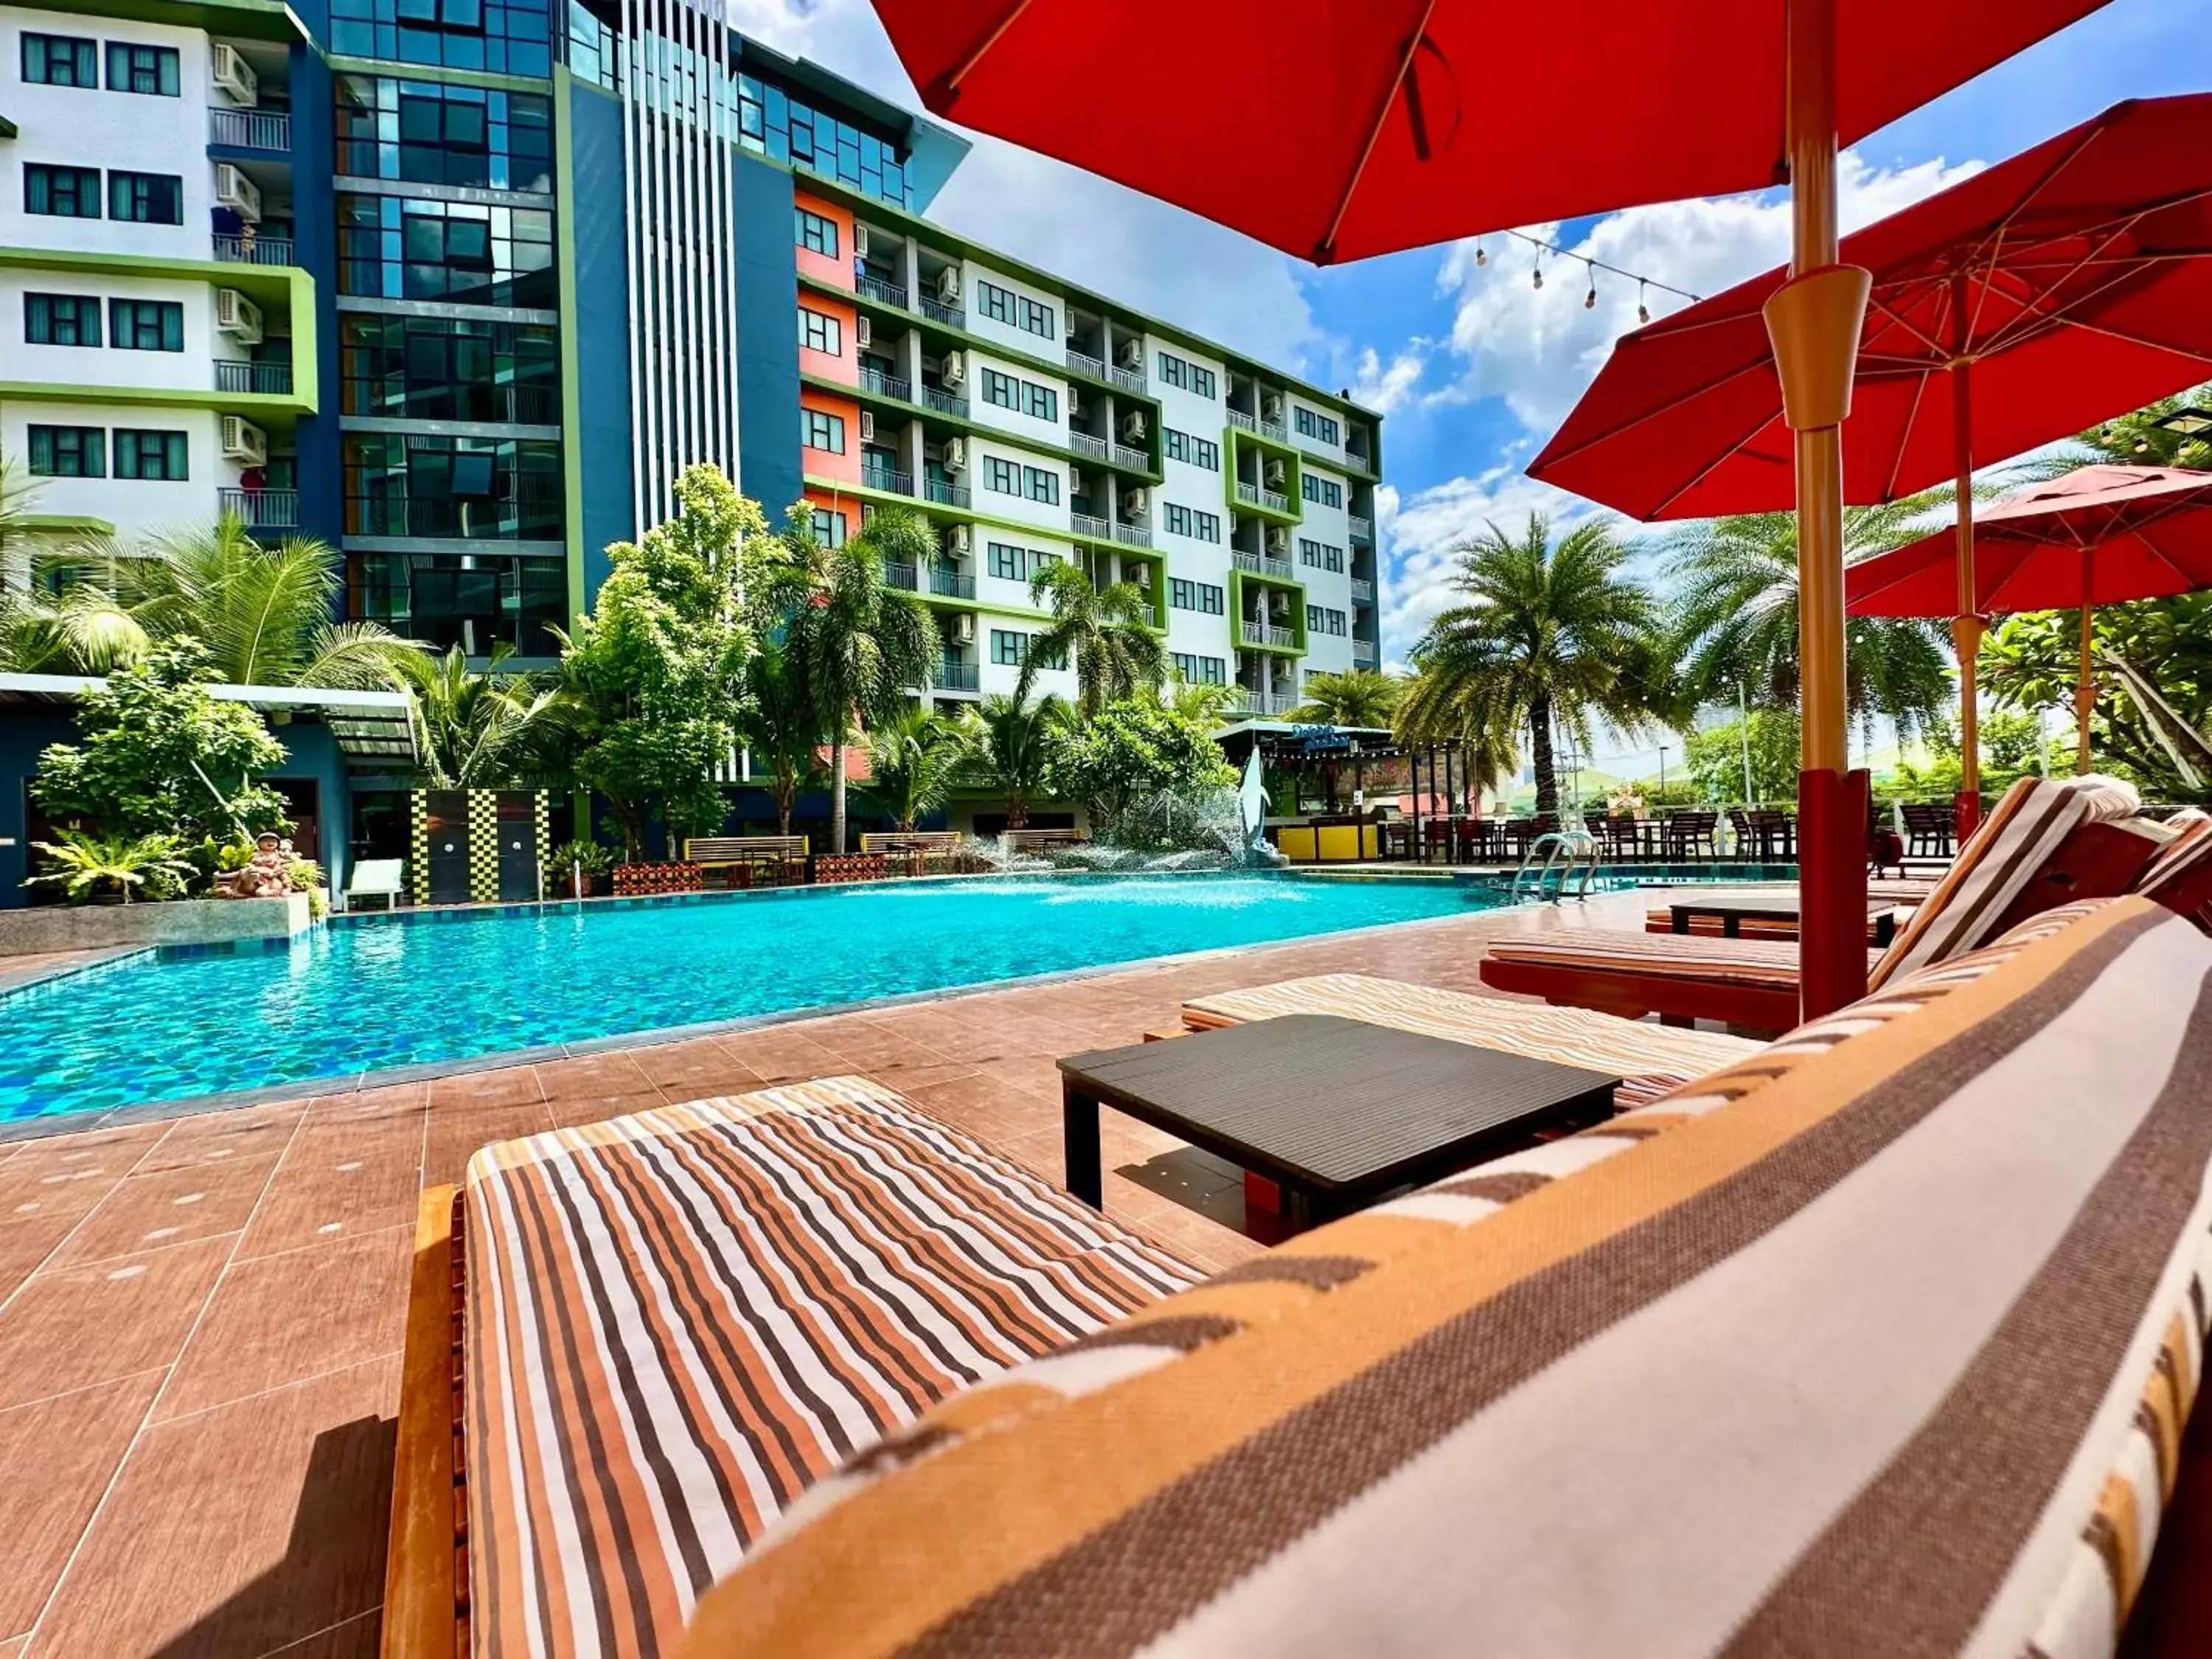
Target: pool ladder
1563, 852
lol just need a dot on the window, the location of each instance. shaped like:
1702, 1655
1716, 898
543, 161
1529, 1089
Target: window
1321, 620
777, 121
428, 133
1201, 597
1194, 522
63, 192
995, 302
1321, 555
1041, 483
1003, 390
467, 489
1009, 650
1040, 402
61, 320
397, 247
69, 451
157, 457
506, 37
820, 332
1198, 452
1201, 382
1326, 491
145, 198
1200, 671
828, 527
819, 431
1003, 305
149, 69
1018, 564
817, 234
1037, 319
1022, 397
1311, 425
146, 324
1001, 475
60, 60
1174, 371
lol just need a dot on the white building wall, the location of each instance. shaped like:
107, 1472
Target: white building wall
1202, 488
135, 507
1049, 346
192, 369
1045, 515
1332, 589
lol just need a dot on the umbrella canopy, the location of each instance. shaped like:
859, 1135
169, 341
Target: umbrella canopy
1363, 128
2072, 278
2098, 536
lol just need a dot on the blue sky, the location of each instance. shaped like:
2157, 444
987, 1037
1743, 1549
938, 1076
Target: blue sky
1473, 366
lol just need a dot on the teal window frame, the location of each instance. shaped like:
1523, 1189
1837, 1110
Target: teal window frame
1040, 402
1001, 477
828, 526
1202, 599
819, 331
144, 69
995, 302
1312, 423
1174, 371
1041, 483
1200, 671
1201, 382
1002, 389
814, 233
1008, 648
819, 429
47, 318
45, 183
145, 198
1323, 492
42, 53
151, 455
67, 452
146, 324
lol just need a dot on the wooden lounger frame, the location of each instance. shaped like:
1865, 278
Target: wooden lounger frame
425, 1569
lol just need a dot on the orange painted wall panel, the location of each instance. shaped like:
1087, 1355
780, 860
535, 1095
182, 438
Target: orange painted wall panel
848, 506
845, 366
828, 464
838, 270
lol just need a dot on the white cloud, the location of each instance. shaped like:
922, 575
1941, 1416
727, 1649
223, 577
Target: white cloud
1383, 388
1538, 349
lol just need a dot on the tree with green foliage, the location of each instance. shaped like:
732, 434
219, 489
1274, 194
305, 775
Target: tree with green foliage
1132, 749
1714, 757
861, 645
654, 679
2013, 747
2135, 439
476, 730
158, 755
1361, 697
1013, 753
782, 728
84, 866
1549, 636
1105, 633
914, 759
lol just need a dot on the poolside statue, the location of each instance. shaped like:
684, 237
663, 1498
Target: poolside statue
1252, 808
267, 874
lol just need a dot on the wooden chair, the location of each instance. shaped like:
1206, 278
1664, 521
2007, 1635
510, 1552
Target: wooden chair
1928, 827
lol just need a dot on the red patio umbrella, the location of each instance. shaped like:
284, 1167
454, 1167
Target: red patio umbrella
2049, 292
1364, 129
2097, 536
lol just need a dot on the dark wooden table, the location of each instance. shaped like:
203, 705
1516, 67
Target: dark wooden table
1335, 1112
1732, 912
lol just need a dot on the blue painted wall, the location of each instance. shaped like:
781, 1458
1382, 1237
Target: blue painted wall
768, 337
315, 244
602, 327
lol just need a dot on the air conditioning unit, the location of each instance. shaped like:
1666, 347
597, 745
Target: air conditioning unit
233, 76
1276, 474
960, 541
956, 455
1077, 414
1282, 601
948, 285
1075, 483
234, 190
238, 316
1271, 410
1132, 427
1132, 355
1279, 541
964, 628
863, 335
860, 241
1135, 504
242, 441
956, 369
867, 426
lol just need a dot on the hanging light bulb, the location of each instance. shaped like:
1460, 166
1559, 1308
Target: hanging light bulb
2143, 446
1642, 310
1589, 300
1481, 257
1537, 275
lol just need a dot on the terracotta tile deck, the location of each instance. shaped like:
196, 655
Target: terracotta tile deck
201, 1318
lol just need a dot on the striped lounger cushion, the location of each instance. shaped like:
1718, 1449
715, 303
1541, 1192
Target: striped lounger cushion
1652, 1060
1889, 1352
2180, 876
676, 1320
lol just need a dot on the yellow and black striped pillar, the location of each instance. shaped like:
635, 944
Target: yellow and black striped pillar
419, 845
545, 838
483, 845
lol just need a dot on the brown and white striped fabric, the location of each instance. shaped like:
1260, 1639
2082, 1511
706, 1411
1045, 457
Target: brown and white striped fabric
677, 1321
1899, 893
2180, 876
1652, 1060
1890, 1355
1768, 963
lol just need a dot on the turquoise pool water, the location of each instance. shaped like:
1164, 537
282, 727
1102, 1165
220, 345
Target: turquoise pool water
376, 995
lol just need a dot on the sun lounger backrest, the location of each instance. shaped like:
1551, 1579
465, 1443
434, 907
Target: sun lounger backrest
1974, 901
2180, 875
378, 876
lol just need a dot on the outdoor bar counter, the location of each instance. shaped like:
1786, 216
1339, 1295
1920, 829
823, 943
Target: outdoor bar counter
1340, 838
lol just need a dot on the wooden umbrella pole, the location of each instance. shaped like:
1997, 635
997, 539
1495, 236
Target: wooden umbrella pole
1966, 622
2085, 689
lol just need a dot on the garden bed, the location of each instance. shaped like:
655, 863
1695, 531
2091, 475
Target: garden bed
182, 922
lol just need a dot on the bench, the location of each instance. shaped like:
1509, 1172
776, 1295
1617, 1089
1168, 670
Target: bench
1028, 841
910, 841
385, 879
787, 854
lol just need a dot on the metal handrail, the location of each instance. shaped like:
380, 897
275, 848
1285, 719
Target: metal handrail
949, 316
261, 251
885, 478
233, 375
1084, 444
262, 509
1363, 529
1129, 380
887, 386
250, 129
885, 293
1125, 456
1133, 535
1086, 524
1083, 363
944, 402
903, 575
1362, 588
944, 492
1565, 851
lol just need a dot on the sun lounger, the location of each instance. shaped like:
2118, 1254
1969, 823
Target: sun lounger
384, 878
1893, 893
2047, 842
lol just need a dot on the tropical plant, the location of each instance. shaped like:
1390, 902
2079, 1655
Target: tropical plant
782, 729
654, 679
1361, 697
1012, 755
58, 621
2013, 744
1204, 701
158, 755
1131, 749
1105, 633
1716, 756
83, 863
2132, 439
588, 855
475, 730
1735, 615
859, 643
914, 759
1549, 634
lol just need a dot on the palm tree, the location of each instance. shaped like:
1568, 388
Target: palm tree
782, 728
1014, 748
2132, 439
1549, 633
478, 731
915, 757
1362, 697
859, 643
66, 617
1105, 633
1735, 616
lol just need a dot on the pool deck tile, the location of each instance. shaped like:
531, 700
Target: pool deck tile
204, 1429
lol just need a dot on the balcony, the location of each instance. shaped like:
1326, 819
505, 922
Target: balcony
1365, 654
1083, 363
887, 478
1129, 380
1086, 525
952, 584
1125, 456
1133, 535
254, 251
944, 492
1269, 702
1084, 444
1363, 590
1272, 501
945, 403
884, 292
1282, 639
274, 378
937, 312
887, 386
250, 129
1244, 423
904, 576
956, 675
1363, 530
1278, 570
262, 509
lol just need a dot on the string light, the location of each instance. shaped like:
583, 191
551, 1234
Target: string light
1481, 257
1589, 300
1642, 310
1538, 272
1643, 285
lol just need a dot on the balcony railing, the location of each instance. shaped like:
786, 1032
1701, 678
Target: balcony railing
956, 675
1260, 565
260, 251
250, 129
1133, 535
1243, 421
944, 492
903, 576
1083, 363
253, 377
880, 290
1274, 501
1363, 653
887, 478
1269, 702
937, 312
1363, 590
1129, 380
262, 509
1084, 444
952, 584
1085, 524
1267, 634
886, 385
1125, 456
945, 403
1363, 530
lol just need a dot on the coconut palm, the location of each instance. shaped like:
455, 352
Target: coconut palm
1105, 633
475, 730
859, 643
2132, 439
1734, 614
915, 757
782, 728
67, 617
1362, 697
1014, 746
1550, 633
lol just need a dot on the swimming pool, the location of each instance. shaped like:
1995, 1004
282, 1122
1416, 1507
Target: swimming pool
375, 994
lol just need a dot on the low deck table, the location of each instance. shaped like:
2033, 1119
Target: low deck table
1336, 1112
1732, 913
